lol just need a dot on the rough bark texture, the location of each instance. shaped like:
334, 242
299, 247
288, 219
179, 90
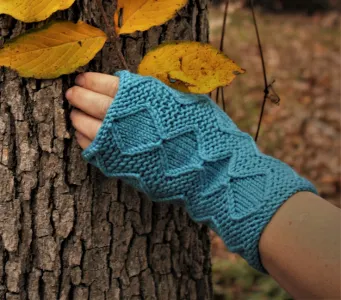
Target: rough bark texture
66, 232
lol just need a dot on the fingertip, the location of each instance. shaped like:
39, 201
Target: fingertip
73, 114
82, 140
68, 94
80, 79
78, 135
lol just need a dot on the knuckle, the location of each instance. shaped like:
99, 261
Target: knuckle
103, 108
113, 87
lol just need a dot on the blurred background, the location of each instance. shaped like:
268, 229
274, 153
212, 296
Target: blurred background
301, 45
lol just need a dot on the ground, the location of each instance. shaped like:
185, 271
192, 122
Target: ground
302, 54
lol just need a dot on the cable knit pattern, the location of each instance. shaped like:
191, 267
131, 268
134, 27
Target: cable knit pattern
176, 146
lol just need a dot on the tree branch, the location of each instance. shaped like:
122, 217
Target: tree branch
266, 86
112, 35
221, 48
224, 26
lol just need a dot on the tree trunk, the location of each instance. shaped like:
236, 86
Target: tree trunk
67, 232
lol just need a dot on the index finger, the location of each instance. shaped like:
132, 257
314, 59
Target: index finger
100, 83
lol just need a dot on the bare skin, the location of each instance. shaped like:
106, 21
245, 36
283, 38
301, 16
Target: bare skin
300, 247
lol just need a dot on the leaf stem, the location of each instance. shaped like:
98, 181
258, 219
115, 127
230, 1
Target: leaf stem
112, 35
266, 86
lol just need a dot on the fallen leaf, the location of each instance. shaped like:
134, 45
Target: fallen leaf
57, 49
140, 15
32, 10
190, 67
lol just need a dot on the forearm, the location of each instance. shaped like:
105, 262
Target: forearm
172, 145
300, 247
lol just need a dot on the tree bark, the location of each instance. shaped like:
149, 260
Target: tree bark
66, 231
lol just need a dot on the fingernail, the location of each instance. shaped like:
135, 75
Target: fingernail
80, 80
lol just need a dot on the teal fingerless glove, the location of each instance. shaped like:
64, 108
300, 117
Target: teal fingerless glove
176, 146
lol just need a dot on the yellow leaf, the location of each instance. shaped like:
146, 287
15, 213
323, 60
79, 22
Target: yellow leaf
32, 10
190, 67
140, 15
57, 49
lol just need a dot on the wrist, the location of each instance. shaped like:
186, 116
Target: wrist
173, 145
240, 208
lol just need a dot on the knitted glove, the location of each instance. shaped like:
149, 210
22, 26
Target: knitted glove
177, 146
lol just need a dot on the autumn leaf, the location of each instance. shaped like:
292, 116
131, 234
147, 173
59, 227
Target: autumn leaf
33, 10
57, 49
190, 67
140, 15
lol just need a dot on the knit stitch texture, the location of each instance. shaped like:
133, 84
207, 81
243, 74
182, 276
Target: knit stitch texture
177, 146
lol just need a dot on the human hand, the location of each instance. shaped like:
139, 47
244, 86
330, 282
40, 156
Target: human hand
178, 146
91, 96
